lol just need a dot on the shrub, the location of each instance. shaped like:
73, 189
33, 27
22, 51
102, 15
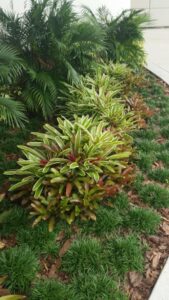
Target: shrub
67, 172
20, 265
111, 96
49, 290
99, 96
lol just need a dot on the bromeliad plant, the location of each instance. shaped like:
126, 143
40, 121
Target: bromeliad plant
100, 96
111, 95
68, 171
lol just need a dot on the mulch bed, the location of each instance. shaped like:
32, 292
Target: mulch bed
139, 286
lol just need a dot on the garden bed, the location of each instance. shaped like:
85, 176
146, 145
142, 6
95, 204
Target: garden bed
120, 256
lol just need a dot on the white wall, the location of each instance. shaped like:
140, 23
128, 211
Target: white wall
114, 6
18, 5
158, 9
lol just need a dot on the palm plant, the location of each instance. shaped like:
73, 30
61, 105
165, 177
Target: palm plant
12, 112
54, 45
123, 35
11, 67
124, 38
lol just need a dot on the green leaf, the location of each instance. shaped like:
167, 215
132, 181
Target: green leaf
74, 165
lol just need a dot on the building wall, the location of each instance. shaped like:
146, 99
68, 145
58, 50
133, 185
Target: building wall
158, 10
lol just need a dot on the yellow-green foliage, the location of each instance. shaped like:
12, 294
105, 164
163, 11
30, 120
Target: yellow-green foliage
100, 96
67, 171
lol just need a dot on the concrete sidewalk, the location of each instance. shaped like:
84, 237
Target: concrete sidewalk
157, 49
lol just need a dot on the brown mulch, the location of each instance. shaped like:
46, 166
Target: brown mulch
139, 286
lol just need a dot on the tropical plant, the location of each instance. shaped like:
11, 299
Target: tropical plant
11, 112
53, 44
124, 37
129, 79
13, 297
100, 96
67, 171
111, 95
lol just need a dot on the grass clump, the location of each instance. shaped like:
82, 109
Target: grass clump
165, 132
120, 201
20, 265
154, 195
143, 220
164, 112
125, 254
146, 160
49, 290
164, 157
147, 146
138, 182
39, 239
163, 122
145, 134
17, 219
96, 287
161, 175
84, 255
107, 221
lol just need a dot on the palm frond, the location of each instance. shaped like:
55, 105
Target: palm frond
12, 112
40, 94
11, 65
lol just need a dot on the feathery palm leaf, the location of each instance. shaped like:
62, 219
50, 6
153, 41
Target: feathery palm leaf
11, 66
12, 112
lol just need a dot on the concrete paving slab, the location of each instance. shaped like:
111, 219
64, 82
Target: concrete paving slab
161, 289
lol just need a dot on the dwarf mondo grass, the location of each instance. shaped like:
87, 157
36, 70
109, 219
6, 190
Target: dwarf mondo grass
120, 201
164, 157
165, 132
147, 146
125, 254
145, 160
49, 289
39, 239
142, 220
84, 255
154, 195
161, 175
16, 220
98, 286
108, 219
20, 265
